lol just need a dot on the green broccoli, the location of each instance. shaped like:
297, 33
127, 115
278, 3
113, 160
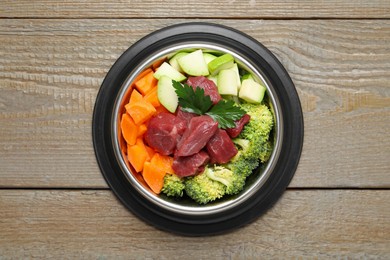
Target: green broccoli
173, 186
266, 151
260, 123
202, 189
213, 183
253, 142
227, 179
234, 182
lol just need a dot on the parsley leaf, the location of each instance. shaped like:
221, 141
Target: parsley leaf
225, 112
190, 100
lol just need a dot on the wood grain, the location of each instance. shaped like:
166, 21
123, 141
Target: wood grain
51, 71
92, 224
54, 201
196, 9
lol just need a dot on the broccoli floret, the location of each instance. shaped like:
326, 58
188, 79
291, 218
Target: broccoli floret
260, 123
243, 165
202, 189
253, 142
266, 151
173, 186
214, 183
234, 182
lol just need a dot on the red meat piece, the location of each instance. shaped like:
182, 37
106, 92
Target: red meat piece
164, 131
198, 133
184, 166
240, 123
185, 115
221, 148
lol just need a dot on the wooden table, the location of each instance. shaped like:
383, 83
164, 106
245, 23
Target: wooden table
54, 202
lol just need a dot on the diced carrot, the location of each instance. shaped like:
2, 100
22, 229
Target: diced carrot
163, 162
153, 176
137, 156
146, 83
140, 143
150, 151
122, 141
141, 111
131, 87
135, 96
152, 97
127, 94
141, 130
129, 129
142, 74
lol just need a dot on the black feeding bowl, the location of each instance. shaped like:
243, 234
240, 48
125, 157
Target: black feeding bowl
263, 188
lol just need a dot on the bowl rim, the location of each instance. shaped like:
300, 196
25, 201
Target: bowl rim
227, 220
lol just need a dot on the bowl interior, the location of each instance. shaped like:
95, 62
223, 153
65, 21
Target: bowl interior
184, 205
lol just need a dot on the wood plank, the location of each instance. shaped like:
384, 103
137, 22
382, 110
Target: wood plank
196, 9
92, 224
52, 70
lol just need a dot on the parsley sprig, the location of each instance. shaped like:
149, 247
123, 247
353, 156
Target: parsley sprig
225, 112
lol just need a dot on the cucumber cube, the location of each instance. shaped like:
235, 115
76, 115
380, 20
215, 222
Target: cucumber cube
235, 69
194, 64
167, 70
223, 62
166, 94
251, 91
227, 82
174, 61
208, 57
